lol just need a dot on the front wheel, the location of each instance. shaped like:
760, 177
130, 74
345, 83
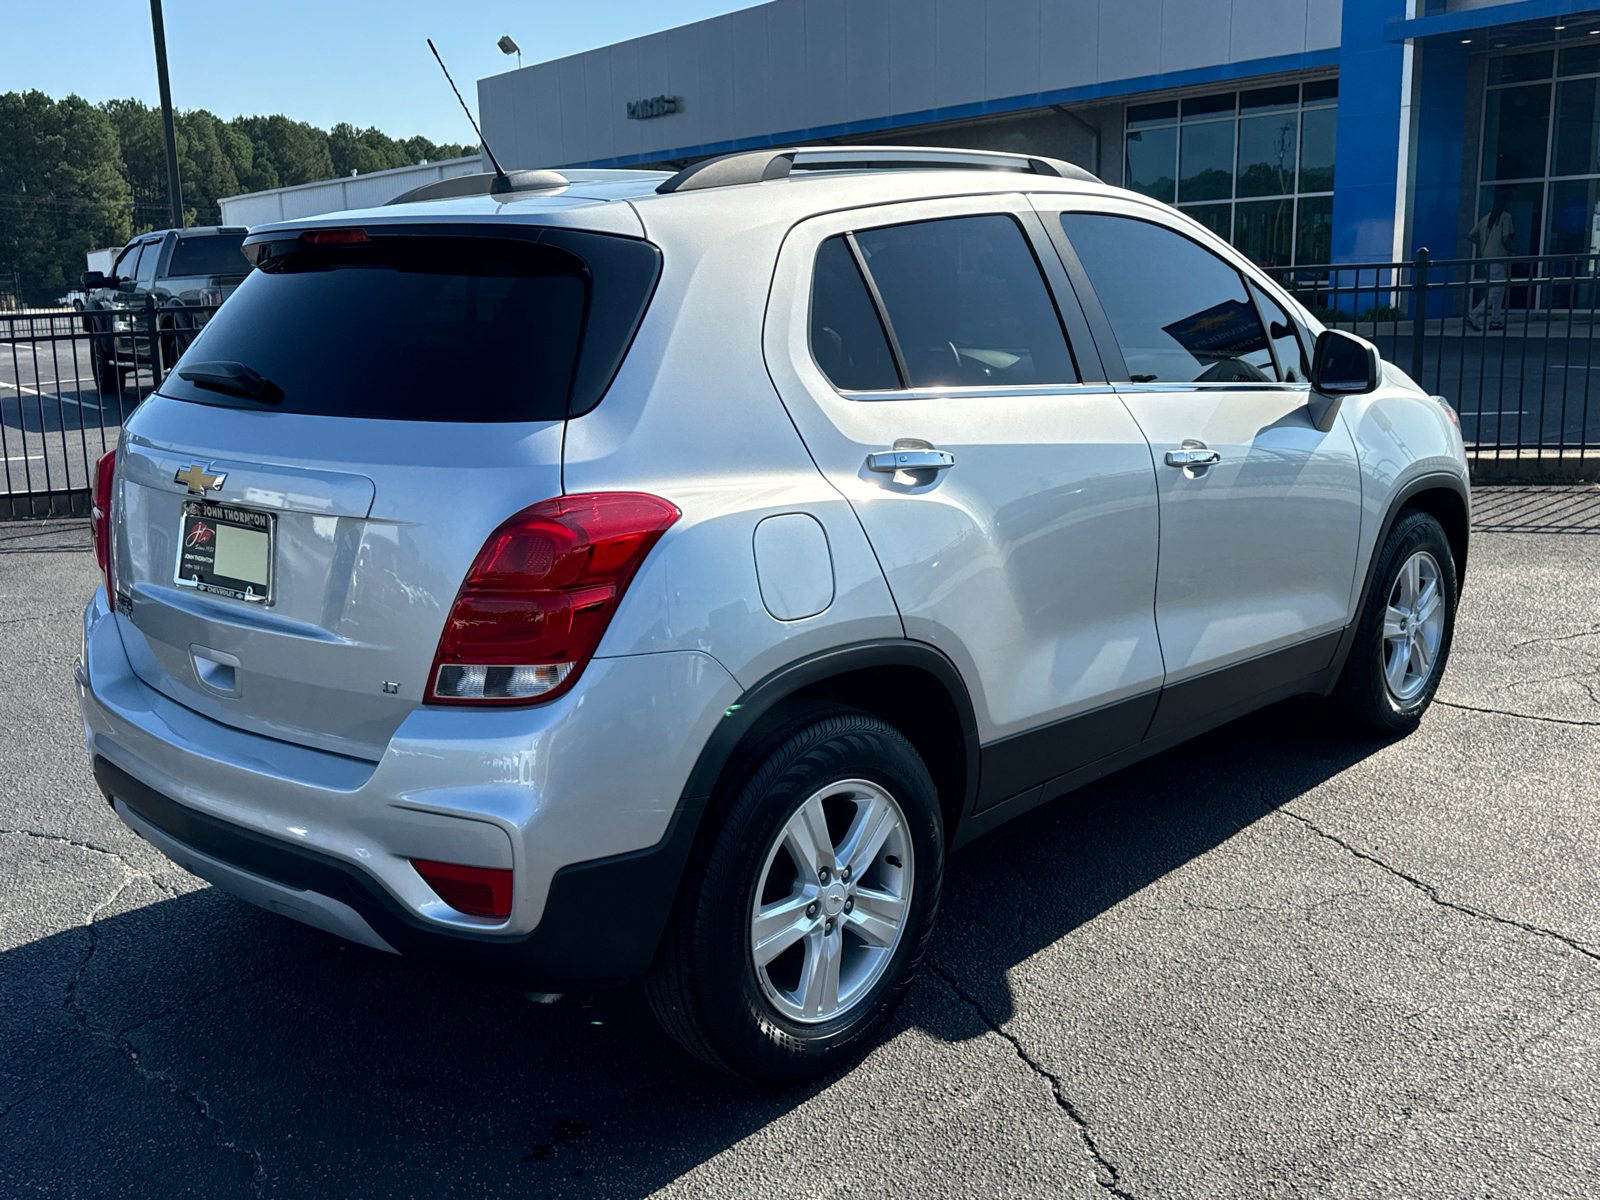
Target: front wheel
1406, 627
803, 922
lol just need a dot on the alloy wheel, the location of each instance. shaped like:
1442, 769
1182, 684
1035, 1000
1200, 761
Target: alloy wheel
832, 901
1413, 627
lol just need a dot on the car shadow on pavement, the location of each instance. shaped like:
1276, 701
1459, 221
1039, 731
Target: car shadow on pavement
191, 1044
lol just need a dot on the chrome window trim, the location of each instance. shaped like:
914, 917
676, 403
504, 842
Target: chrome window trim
1251, 386
988, 393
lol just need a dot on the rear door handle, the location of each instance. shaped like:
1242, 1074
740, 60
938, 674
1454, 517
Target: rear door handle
889, 461
1193, 454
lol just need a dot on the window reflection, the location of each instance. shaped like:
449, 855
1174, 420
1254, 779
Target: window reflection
1237, 161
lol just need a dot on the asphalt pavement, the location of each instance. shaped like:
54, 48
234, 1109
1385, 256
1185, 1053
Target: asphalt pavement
1274, 962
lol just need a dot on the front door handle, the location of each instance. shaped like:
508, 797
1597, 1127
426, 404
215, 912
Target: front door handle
1193, 454
910, 460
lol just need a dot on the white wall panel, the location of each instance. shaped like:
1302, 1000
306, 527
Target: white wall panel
827, 33
959, 52
751, 94
867, 50
1011, 47
786, 62
1130, 39
1323, 19
716, 115
911, 56
1194, 33
808, 64
1069, 44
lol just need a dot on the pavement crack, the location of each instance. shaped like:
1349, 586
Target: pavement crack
1112, 1182
79, 1013
1500, 712
66, 841
1565, 637
1432, 892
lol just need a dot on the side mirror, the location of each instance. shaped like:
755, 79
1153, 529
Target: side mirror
93, 280
1343, 365
126, 286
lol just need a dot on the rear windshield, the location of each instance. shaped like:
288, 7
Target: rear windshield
427, 327
212, 254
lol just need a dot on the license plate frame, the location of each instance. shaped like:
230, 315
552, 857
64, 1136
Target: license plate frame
233, 531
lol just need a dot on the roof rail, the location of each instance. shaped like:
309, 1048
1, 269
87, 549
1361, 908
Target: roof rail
485, 184
756, 166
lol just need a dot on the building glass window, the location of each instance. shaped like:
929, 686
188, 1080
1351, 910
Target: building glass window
1541, 153
1254, 167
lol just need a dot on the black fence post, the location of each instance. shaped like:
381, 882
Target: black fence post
1419, 312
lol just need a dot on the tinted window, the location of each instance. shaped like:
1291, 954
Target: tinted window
128, 264
431, 328
214, 254
1180, 313
147, 263
1287, 348
967, 303
847, 339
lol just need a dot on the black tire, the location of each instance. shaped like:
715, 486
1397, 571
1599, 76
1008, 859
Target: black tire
704, 986
108, 376
1364, 695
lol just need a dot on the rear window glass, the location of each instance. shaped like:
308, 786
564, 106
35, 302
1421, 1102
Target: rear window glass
431, 328
967, 304
847, 339
214, 254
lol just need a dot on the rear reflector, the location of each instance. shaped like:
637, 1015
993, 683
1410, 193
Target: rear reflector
477, 891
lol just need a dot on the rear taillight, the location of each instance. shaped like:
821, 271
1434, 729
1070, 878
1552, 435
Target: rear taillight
478, 891
540, 594
100, 521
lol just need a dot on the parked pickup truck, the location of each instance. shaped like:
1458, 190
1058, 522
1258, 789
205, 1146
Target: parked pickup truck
173, 277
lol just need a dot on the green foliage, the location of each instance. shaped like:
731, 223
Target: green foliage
1382, 312
75, 176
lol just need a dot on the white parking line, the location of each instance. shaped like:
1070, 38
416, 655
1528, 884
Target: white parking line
22, 457
22, 387
1501, 412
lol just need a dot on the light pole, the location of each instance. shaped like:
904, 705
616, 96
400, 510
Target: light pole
174, 189
507, 46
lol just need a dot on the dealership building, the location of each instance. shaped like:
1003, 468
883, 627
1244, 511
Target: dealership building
1305, 131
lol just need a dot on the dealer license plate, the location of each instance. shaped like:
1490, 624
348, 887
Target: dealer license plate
227, 551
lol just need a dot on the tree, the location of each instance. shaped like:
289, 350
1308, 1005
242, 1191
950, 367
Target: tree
75, 176
62, 190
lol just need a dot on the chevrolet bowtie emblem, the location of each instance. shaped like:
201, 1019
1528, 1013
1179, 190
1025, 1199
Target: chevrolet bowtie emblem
197, 481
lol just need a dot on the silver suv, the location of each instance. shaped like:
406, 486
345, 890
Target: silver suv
613, 575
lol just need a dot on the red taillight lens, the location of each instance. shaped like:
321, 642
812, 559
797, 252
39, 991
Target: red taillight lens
540, 594
100, 521
480, 891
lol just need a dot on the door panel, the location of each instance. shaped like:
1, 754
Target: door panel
1031, 560
1260, 511
1258, 551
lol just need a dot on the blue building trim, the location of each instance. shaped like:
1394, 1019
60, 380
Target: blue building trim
1398, 29
1110, 89
1371, 70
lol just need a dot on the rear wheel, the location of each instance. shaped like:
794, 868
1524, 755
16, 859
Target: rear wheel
805, 919
108, 376
1406, 627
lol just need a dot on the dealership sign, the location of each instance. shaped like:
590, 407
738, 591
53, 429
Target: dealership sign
656, 106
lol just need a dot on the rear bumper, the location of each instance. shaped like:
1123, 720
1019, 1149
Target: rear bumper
581, 798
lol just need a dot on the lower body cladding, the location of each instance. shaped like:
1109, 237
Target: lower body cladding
579, 799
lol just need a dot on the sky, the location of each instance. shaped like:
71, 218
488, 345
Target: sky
361, 61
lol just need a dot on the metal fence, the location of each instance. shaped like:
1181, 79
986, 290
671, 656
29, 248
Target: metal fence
68, 380
1510, 342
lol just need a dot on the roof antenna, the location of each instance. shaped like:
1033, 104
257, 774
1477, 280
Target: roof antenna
502, 182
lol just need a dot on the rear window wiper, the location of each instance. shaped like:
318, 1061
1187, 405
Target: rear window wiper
232, 378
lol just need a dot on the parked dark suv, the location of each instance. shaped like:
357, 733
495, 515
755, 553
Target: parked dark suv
175, 276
